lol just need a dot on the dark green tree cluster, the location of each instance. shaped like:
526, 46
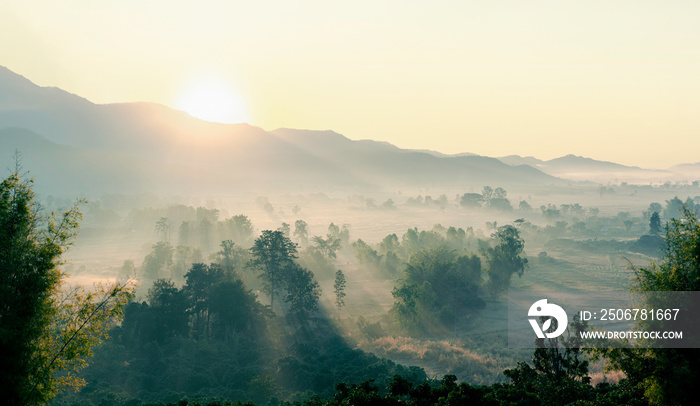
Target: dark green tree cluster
505, 259
159, 262
273, 255
47, 332
436, 288
449, 392
213, 303
666, 374
339, 290
389, 256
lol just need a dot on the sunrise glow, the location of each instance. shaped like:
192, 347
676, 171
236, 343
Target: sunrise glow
213, 99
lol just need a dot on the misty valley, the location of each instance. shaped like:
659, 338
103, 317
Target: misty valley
234, 265
418, 300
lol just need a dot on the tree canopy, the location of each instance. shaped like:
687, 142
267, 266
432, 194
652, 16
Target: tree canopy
505, 259
46, 334
664, 374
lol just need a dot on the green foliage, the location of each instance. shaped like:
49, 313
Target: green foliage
674, 208
680, 268
303, 292
471, 200
339, 290
231, 257
327, 246
339, 233
437, 286
499, 200
157, 264
46, 335
505, 259
391, 253
664, 374
313, 258
243, 366
654, 224
325, 361
366, 255
213, 303
238, 228
273, 255
301, 231
559, 376
168, 306
495, 199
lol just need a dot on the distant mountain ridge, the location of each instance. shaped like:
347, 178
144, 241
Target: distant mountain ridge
135, 147
575, 167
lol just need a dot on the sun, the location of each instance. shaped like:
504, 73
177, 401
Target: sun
213, 99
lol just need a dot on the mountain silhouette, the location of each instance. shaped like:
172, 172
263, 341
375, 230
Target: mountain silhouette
75, 145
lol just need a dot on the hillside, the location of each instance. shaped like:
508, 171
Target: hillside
132, 147
580, 168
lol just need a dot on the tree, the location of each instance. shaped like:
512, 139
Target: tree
341, 233
302, 290
159, 261
239, 228
183, 258
487, 193
365, 254
339, 289
184, 233
234, 308
206, 228
436, 288
559, 375
163, 227
46, 335
674, 208
301, 231
229, 257
655, 224
168, 307
524, 206
471, 200
327, 246
273, 255
653, 207
285, 229
505, 259
500, 203
665, 374
200, 280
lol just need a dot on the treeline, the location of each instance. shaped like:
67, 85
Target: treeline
231, 366
212, 337
389, 256
440, 287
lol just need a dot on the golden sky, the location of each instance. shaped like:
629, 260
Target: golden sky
612, 80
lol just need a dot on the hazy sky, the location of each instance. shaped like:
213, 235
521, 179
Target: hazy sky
613, 80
